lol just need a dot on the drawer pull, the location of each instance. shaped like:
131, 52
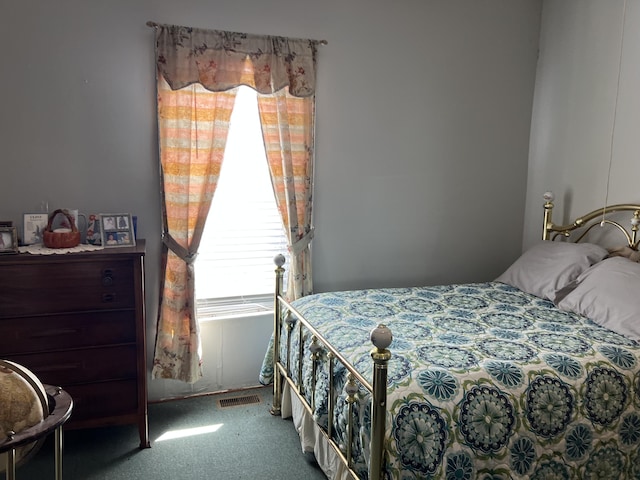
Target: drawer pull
107, 277
108, 297
56, 332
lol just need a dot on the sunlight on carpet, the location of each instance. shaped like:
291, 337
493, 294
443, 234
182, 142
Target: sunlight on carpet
188, 432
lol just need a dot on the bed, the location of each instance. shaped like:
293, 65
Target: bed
535, 375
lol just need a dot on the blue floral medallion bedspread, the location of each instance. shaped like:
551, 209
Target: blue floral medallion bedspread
485, 381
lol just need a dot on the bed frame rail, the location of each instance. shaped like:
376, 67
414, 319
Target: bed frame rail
380, 337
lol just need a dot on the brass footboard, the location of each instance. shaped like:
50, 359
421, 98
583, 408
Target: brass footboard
380, 337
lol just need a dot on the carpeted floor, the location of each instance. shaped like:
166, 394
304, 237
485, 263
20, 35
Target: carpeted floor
239, 442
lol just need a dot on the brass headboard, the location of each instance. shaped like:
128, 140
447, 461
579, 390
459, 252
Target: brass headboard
584, 224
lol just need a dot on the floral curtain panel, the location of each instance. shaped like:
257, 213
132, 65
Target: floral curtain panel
288, 128
193, 125
197, 72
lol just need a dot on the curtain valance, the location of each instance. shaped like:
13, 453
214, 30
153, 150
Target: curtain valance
221, 60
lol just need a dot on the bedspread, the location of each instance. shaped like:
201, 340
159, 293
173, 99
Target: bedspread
485, 381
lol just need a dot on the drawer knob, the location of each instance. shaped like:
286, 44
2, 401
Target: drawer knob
107, 277
109, 297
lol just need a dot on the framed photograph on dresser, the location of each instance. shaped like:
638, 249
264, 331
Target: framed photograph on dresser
93, 229
33, 224
116, 230
8, 240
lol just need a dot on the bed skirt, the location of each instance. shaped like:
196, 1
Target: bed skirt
312, 437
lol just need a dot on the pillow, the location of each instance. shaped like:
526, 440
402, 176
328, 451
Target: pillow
625, 251
609, 294
549, 266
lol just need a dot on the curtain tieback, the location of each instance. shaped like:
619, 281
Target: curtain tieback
299, 245
179, 250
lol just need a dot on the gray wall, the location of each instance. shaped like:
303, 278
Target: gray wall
572, 134
423, 125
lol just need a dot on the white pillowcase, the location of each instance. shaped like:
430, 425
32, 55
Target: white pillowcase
609, 294
550, 266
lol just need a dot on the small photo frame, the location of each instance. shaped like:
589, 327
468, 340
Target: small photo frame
94, 236
33, 224
116, 230
8, 240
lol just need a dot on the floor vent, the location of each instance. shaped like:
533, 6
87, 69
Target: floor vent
238, 401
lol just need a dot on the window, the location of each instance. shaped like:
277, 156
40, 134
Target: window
234, 268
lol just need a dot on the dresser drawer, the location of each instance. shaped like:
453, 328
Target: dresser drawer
66, 368
99, 400
52, 288
57, 332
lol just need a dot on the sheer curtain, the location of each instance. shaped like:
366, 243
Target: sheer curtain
197, 72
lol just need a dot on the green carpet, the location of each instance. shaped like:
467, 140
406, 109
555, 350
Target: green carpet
242, 442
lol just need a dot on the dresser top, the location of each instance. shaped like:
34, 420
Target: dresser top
110, 252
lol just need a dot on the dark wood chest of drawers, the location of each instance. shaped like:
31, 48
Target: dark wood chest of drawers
78, 321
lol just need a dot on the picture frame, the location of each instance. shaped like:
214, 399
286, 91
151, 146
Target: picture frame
8, 240
33, 224
94, 236
116, 230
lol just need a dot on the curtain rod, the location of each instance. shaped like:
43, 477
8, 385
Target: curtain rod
153, 24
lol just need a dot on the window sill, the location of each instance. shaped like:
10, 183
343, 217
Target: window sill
236, 316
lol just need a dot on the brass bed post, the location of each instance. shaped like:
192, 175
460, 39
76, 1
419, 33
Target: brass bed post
275, 408
548, 209
315, 349
332, 397
351, 389
381, 338
300, 357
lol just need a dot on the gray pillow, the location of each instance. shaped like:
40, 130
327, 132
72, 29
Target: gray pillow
550, 266
609, 294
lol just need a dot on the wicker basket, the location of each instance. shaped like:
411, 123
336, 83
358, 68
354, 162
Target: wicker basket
57, 239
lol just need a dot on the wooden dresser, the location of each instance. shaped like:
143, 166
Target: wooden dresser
78, 321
